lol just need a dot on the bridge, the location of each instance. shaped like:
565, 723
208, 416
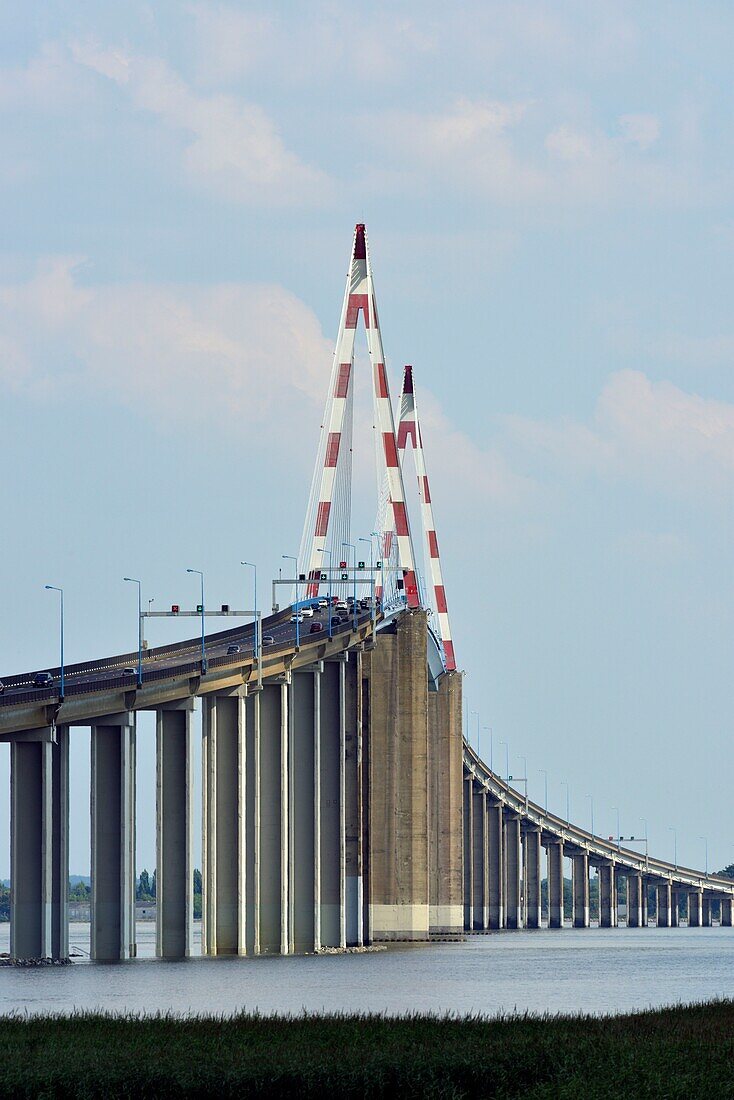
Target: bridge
341, 803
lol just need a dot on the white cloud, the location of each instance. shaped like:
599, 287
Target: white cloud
641, 130
652, 433
231, 353
231, 147
48, 82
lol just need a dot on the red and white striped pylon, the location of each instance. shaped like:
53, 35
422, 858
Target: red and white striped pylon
359, 298
409, 429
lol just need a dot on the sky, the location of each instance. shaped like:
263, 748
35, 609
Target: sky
547, 189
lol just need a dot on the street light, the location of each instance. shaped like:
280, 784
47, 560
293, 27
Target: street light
289, 557
619, 839
328, 590
253, 567
376, 535
672, 829
134, 580
489, 731
544, 773
525, 774
643, 821
476, 712
706, 850
353, 548
591, 800
203, 628
564, 783
54, 588
372, 573
507, 761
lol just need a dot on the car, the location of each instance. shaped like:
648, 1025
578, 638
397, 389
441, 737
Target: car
233, 649
2, 688
307, 612
364, 604
323, 603
267, 639
342, 606
340, 619
129, 672
43, 679
316, 628
297, 618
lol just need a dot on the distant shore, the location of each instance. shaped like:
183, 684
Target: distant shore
678, 1051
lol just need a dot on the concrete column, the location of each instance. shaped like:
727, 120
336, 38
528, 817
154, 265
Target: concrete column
645, 888
39, 853
353, 812
174, 831
695, 908
607, 896
468, 829
331, 817
664, 899
252, 824
495, 863
113, 837
532, 878
621, 895
674, 908
634, 900
445, 772
479, 823
513, 864
555, 884
304, 712
580, 875
706, 911
399, 814
273, 854
727, 909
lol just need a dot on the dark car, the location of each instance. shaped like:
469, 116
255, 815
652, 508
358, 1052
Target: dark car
43, 679
268, 639
2, 688
316, 628
129, 672
233, 649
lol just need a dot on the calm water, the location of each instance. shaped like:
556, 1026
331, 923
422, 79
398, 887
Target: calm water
599, 971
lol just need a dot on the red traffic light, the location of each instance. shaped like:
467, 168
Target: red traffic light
175, 608
342, 565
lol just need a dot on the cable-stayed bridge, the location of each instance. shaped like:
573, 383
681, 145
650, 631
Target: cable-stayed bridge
341, 804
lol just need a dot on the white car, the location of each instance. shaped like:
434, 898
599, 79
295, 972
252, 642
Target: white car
323, 604
296, 618
342, 606
307, 612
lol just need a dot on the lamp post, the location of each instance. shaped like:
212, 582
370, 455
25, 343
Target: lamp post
55, 588
619, 839
376, 535
489, 731
643, 821
525, 775
353, 548
253, 567
706, 852
564, 783
544, 773
134, 580
476, 714
289, 557
507, 761
203, 626
328, 589
372, 573
591, 802
672, 829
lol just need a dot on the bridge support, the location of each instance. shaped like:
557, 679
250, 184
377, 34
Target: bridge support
495, 864
674, 908
695, 908
607, 896
174, 825
39, 843
479, 859
555, 883
513, 863
664, 903
331, 816
304, 712
580, 876
532, 879
635, 891
468, 836
273, 863
727, 912
113, 837
706, 911
445, 804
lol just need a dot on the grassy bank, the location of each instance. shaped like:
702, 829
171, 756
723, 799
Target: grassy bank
669, 1053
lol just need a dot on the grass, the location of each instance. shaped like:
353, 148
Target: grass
667, 1053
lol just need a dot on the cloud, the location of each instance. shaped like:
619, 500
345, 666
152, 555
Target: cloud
640, 130
652, 433
231, 354
231, 147
48, 82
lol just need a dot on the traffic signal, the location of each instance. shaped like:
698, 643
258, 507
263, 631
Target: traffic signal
322, 577
342, 565
225, 608
175, 609
200, 607
345, 576
360, 565
378, 565
301, 576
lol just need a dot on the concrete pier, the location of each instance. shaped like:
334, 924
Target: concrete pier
331, 820
580, 877
445, 804
555, 883
607, 896
664, 903
39, 843
532, 879
674, 908
635, 894
468, 838
706, 911
274, 833
695, 908
479, 862
174, 831
513, 864
113, 837
304, 709
495, 864
727, 912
